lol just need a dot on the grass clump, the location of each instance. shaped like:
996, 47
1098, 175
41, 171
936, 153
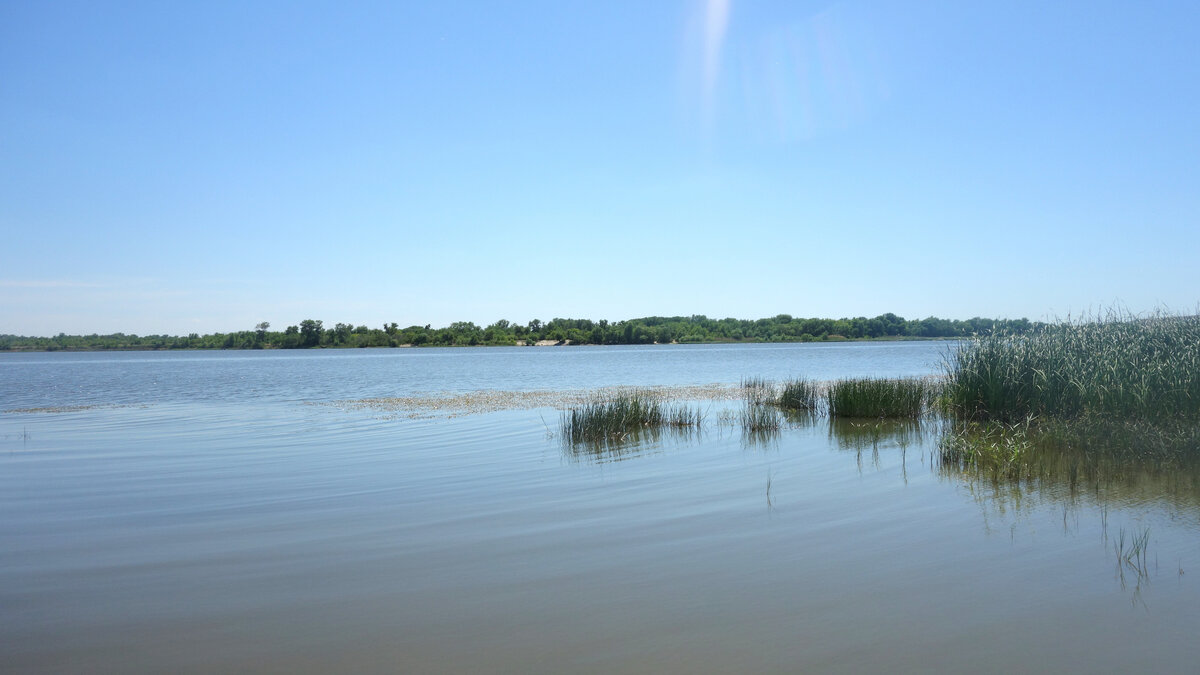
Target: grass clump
1118, 367
612, 417
879, 397
759, 391
757, 418
799, 394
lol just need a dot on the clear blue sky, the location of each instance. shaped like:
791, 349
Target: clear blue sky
170, 167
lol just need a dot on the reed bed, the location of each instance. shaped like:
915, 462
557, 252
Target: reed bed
799, 394
1116, 367
614, 416
902, 398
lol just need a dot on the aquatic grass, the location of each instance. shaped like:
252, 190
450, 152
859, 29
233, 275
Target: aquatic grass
682, 416
613, 416
1133, 555
1096, 456
879, 397
1118, 366
1098, 402
757, 418
799, 394
759, 391
995, 449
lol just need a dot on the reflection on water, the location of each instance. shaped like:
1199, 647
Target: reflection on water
875, 435
866, 435
1103, 462
630, 444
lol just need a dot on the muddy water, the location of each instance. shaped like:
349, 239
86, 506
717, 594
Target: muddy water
194, 512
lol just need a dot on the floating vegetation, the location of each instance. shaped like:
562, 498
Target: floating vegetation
474, 402
69, 408
800, 394
612, 417
880, 397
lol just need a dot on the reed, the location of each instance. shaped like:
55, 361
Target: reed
993, 449
905, 398
757, 418
1115, 367
759, 391
613, 416
799, 394
1133, 555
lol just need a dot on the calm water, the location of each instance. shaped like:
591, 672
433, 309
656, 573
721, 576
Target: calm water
207, 518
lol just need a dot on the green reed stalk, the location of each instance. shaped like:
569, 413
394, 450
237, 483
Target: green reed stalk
613, 416
879, 398
1116, 367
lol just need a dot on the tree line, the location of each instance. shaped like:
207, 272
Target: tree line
312, 333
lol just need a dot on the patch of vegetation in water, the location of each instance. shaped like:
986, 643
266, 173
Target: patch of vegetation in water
1092, 456
759, 391
55, 409
1117, 367
896, 398
759, 418
800, 394
1079, 401
612, 417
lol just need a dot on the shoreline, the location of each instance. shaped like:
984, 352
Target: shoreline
540, 343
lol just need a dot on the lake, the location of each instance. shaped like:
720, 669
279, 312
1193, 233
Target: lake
250, 512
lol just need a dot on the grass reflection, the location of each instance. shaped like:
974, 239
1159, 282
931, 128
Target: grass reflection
858, 434
1122, 461
637, 442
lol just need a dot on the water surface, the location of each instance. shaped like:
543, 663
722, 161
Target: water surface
206, 517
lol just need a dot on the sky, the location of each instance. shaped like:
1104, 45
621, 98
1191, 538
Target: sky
169, 168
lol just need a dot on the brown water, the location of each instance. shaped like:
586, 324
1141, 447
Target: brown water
267, 535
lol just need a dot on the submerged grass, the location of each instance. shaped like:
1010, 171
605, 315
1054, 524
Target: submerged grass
904, 398
609, 417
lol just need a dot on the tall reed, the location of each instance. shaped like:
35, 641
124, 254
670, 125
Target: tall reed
760, 418
613, 416
758, 391
1116, 367
799, 394
879, 397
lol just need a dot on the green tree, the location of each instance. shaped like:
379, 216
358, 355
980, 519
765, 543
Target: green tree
310, 332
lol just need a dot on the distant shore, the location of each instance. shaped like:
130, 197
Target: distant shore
539, 343
694, 329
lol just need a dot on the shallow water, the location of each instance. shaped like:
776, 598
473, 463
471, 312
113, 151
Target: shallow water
213, 520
